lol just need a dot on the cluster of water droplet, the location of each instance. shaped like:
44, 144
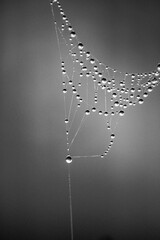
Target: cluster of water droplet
122, 89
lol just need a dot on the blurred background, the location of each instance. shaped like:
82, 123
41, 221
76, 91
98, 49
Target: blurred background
117, 197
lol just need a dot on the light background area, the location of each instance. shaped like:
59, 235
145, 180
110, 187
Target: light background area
117, 196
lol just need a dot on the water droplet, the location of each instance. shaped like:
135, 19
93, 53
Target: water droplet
106, 113
132, 90
140, 101
93, 109
64, 17
121, 113
66, 120
158, 67
73, 34
70, 28
88, 54
102, 156
81, 63
84, 68
149, 89
104, 80
114, 95
112, 136
145, 94
92, 61
64, 90
80, 46
68, 159
78, 96
87, 112
100, 112
67, 132
116, 103
70, 82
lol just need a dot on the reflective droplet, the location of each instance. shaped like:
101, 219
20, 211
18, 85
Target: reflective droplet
84, 68
108, 127
92, 61
104, 80
106, 113
100, 112
114, 95
68, 159
81, 63
140, 101
102, 156
67, 132
64, 17
145, 94
64, 90
149, 89
93, 109
158, 67
88, 54
112, 136
66, 120
73, 34
80, 46
87, 112
70, 82
116, 103
70, 28
78, 96
121, 113
132, 90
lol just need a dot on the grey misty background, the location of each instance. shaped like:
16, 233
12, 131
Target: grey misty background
117, 198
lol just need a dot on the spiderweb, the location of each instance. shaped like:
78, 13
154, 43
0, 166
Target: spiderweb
93, 90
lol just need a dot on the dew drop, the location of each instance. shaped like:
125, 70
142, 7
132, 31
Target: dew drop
88, 54
92, 61
66, 120
87, 112
93, 109
145, 94
64, 90
112, 136
149, 89
121, 113
73, 34
114, 95
140, 101
158, 67
80, 46
104, 80
70, 28
68, 159
106, 113
70, 82
116, 103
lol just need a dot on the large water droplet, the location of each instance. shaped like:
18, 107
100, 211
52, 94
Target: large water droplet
140, 101
80, 46
112, 136
73, 34
68, 159
104, 80
87, 112
158, 67
121, 113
